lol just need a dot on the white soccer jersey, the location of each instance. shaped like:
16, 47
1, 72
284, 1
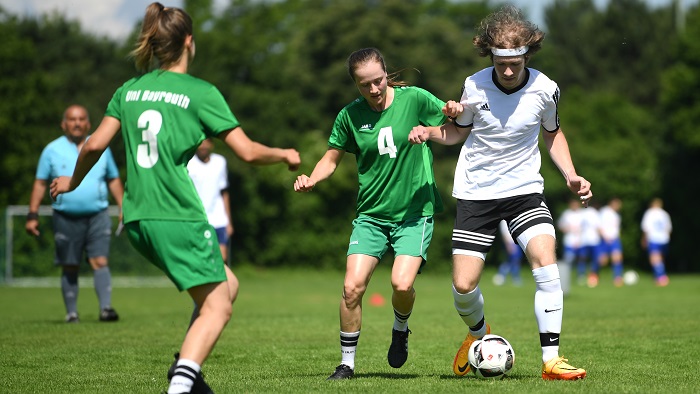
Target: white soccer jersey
500, 157
570, 224
210, 179
590, 227
609, 223
656, 224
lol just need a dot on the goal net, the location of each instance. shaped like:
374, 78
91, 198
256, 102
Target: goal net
27, 256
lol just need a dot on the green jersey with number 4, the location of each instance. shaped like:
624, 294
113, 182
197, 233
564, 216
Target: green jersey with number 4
164, 117
396, 177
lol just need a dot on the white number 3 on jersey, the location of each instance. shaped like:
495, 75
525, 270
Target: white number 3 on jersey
150, 122
385, 142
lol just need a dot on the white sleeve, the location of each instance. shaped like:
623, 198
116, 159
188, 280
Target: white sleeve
466, 118
550, 116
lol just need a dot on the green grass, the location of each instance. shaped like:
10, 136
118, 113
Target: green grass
284, 338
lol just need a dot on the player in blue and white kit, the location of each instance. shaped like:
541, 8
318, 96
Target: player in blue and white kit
569, 223
515, 257
610, 238
589, 253
497, 178
656, 225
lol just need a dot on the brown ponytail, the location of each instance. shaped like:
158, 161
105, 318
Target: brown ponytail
162, 39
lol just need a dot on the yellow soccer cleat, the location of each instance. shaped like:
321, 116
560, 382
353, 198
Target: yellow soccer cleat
460, 365
558, 369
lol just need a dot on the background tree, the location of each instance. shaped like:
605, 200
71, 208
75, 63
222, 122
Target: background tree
629, 106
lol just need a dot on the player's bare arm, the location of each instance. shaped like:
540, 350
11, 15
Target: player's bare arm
447, 134
38, 192
256, 153
323, 170
560, 154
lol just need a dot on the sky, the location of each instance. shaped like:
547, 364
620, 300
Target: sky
116, 18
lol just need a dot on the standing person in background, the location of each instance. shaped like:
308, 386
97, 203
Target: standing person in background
569, 223
396, 200
610, 238
657, 227
81, 223
498, 178
514, 258
209, 174
589, 253
164, 115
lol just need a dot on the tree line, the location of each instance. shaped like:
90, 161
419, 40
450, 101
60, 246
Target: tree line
629, 106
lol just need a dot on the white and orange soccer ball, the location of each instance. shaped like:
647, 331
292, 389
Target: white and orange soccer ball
491, 357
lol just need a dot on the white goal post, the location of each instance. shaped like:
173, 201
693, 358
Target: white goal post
11, 213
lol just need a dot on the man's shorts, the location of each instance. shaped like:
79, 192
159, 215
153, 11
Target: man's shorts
374, 237
656, 247
187, 252
222, 235
476, 224
614, 245
75, 235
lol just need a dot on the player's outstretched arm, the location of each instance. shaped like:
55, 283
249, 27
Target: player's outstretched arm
256, 153
323, 170
447, 134
560, 154
88, 156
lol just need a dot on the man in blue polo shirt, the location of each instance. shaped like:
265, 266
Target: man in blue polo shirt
81, 222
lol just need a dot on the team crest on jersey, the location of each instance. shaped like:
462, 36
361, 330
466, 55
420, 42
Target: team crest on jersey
485, 107
366, 127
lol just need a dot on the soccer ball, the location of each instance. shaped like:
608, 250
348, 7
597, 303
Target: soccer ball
491, 357
630, 278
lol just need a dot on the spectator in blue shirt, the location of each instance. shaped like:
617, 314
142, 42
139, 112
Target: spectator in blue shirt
81, 222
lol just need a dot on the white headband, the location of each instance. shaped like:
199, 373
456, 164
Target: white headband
510, 52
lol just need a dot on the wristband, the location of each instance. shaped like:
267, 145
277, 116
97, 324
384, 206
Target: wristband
33, 216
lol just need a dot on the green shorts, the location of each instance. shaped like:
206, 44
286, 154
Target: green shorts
373, 237
187, 252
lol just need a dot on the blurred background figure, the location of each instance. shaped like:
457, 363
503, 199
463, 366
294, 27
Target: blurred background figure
81, 223
209, 174
611, 247
515, 257
569, 224
589, 254
656, 226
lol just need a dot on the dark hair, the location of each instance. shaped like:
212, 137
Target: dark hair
365, 55
162, 38
507, 29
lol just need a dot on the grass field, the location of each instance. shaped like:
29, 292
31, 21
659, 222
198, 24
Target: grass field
284, 338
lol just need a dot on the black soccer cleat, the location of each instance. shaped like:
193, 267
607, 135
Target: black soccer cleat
171, 370
398, 350
199, 386
342, 372
108, 314
72, 318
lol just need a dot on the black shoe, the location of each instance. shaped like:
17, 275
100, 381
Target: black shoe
72, 318
171, 370
199, 386
108, 314
342, 372
398, 351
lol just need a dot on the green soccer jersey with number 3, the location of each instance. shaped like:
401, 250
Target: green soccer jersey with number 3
164, 117
396, 180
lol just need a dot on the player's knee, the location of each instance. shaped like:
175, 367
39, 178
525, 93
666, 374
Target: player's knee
465, 285
352, 294
98, 262
402, 287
